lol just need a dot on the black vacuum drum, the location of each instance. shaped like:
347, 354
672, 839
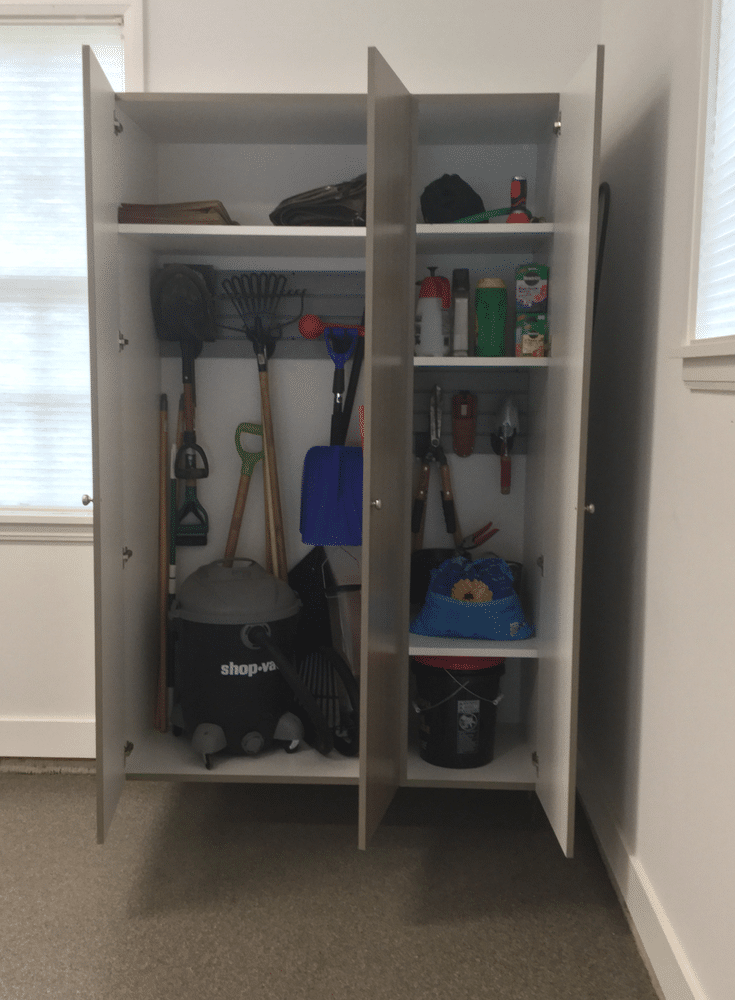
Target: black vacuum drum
230, 694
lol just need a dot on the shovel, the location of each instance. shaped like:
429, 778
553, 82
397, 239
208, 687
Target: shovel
249, 460
341, 345
183, 310
331, 487
191, 520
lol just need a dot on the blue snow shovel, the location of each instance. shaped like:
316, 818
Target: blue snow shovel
331, 487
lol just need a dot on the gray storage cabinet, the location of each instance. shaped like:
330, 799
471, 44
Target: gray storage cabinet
252, 150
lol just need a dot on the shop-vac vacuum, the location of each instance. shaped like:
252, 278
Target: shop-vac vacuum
236, 687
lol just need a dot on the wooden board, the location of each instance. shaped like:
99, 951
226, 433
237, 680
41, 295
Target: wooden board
102, 199
391, 235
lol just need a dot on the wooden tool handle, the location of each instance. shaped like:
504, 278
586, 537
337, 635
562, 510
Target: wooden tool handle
236, 522
269, 528
505, 474
280, 568
188, 407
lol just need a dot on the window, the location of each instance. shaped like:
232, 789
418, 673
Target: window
716, 272
45, 436
709, 354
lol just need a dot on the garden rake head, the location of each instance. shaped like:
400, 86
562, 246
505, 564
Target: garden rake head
256, 299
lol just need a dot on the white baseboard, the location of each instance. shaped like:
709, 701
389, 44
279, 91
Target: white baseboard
671, 971
49, 738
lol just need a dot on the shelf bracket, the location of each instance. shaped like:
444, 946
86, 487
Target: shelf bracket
557, 124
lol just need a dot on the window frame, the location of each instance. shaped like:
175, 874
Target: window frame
48, 524
708, 363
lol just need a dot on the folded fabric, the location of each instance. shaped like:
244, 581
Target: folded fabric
333, 205
472, 600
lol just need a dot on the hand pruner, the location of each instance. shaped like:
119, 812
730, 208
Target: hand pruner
434, 454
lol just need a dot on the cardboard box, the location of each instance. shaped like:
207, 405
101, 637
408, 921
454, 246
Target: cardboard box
532, 336
532, 288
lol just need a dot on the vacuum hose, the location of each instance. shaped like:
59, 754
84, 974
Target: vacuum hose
323, 740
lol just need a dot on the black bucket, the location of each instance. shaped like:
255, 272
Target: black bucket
457, 703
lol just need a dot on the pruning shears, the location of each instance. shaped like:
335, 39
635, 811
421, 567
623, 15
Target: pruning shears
479, 538
435, 453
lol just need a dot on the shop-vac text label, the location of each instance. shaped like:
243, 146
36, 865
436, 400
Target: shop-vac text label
247, 669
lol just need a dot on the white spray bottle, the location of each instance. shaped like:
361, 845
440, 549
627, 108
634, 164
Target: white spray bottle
432, 317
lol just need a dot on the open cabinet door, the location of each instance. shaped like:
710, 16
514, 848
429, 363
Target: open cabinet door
102, 201
562, 502
389, 319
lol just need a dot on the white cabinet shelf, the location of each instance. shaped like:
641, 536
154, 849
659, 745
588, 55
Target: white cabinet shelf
426, 645
158, 756
483, 238
511, 767
251, 241
334, 241
480, 363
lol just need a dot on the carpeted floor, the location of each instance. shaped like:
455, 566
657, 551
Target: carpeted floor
259, 891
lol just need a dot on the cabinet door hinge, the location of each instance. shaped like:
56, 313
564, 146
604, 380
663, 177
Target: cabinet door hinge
122, 342
534, 761
540, 564
126, 554
128, 749
557, 124
116, 124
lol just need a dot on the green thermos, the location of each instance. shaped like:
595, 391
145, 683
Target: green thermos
491, 304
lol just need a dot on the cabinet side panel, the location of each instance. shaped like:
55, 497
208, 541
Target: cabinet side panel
388, 418
102, 199
570, 317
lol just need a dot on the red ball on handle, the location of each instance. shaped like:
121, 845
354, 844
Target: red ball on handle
311, 327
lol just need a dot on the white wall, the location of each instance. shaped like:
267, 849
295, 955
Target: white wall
434, 47
657, 685
47, 649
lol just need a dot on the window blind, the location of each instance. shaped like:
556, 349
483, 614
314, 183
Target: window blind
45, 425
716, 281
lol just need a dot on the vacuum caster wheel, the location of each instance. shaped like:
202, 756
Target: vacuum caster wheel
208, 739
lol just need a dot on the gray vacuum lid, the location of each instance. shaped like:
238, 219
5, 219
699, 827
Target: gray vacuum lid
244, 594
